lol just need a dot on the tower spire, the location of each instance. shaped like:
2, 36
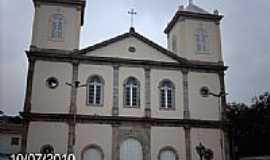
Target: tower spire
190, 1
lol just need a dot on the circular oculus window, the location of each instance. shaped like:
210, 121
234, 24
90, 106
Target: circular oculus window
52, 82
204, 91
132, 49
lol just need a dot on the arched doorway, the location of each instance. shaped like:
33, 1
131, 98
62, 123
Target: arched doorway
131, 149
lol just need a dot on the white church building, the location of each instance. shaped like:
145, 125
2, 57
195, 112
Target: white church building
126, 98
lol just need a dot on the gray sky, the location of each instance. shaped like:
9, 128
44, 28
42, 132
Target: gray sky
245, 38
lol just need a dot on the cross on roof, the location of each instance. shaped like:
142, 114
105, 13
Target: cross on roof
132, 13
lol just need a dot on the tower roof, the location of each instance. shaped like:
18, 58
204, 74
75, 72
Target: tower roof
191, 7
192, 11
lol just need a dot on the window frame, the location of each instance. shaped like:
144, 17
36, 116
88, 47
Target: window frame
131, 98
52, 19
102, 84
168, 148
160, 87
203, 41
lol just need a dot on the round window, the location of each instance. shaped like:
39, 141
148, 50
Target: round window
132, 49
204, 91
52, 82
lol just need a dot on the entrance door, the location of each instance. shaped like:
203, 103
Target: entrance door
131, 149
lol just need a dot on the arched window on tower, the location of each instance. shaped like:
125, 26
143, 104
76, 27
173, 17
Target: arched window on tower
202, 40
57, 24
95, 89
132, 93
167, 95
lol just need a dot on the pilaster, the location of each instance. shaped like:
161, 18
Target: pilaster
186, 94
73, 107
188, 143
115, 109
28, 95
147, 73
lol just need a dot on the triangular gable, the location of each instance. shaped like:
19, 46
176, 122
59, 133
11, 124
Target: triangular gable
118, 47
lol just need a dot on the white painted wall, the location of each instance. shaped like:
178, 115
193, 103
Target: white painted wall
43, 133
186, 41
158, 75
120, 50
167, 136
42, 28
6, 146
210, 138
204, 108
138, 73
44, 99
106, 72
89, 134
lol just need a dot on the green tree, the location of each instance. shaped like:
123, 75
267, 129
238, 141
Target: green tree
251, 126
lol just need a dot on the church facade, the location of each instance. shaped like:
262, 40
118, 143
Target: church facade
126, 98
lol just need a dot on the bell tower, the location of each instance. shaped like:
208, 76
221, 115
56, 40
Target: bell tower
57, 24
194, 33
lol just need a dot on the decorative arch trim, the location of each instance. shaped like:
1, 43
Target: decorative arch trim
168, 148
165, 81
93, 146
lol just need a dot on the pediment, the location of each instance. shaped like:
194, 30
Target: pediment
119, 47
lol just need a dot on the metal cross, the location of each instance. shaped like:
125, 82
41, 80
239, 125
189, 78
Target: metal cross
132, 13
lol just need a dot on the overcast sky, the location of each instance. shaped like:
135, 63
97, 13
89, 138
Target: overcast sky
245, 39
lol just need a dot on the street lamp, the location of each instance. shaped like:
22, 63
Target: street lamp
204, 153
74, 86
200, 150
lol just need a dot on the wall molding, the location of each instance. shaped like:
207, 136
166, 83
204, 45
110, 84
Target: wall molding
120, 120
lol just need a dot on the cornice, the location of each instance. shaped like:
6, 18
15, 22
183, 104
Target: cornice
194, 123
191, 15
63, 56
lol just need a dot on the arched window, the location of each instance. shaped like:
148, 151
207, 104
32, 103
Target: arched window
131, 92
131, 149
167, 153
167, 95
57, 24
95, 87
93, 152
47, 149
202, 40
